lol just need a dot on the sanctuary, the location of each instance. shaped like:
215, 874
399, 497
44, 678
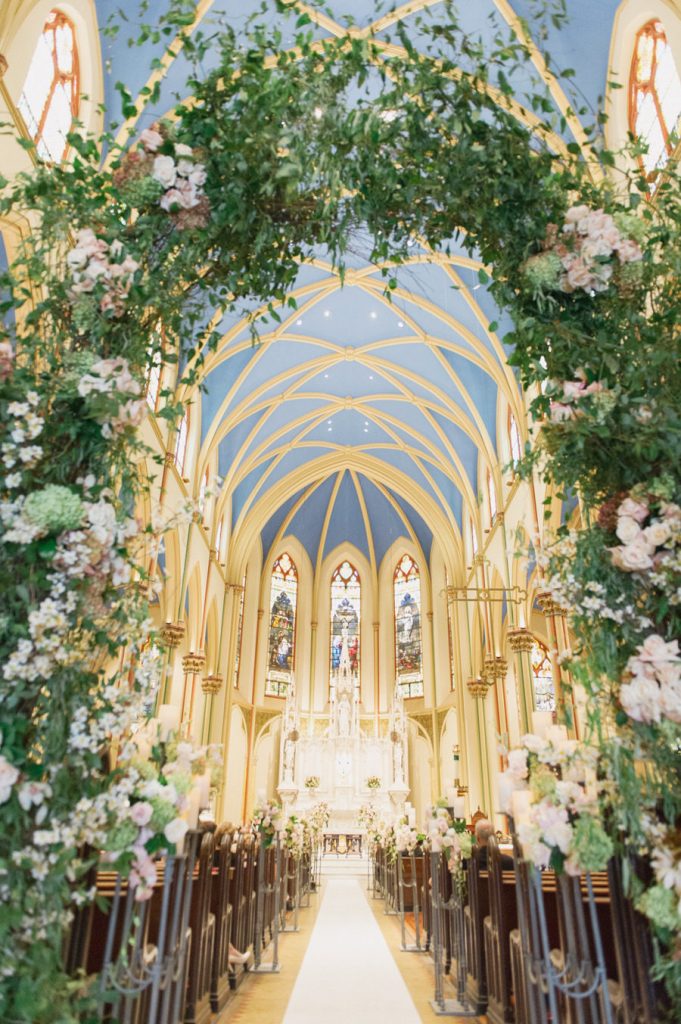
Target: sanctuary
340, 511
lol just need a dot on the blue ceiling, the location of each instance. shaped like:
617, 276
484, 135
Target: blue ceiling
387, 410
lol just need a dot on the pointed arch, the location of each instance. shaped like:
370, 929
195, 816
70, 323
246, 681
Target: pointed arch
281, 647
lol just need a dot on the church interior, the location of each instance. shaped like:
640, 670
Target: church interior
349, 588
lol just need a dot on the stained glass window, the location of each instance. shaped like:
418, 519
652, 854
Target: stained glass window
50, 96
514, 438
654, 96
181, 443
345, 616
239, 632
281, 649
408, 649
542, 678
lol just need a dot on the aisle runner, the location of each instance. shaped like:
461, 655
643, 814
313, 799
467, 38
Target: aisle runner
348, 975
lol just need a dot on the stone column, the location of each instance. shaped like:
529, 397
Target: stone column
313, 658
478, 689
521, 642
192, 665
377, 679
172, 635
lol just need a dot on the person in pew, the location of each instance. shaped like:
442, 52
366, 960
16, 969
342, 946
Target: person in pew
483, 830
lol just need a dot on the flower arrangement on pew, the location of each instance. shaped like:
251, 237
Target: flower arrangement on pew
552, 792
408, 839
318, 818
450, 837
296, 837
267, 820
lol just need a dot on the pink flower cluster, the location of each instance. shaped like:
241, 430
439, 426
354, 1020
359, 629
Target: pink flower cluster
6, 360
103, 269
594, 241
181, 176
654, 688
566, 407
645, 548
111, 378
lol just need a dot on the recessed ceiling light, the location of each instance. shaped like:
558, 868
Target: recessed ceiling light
366, 430
326, 375
373, 314
475, 287
329, 422
299, 322
371, 376
329, 429
327, 313
400, 324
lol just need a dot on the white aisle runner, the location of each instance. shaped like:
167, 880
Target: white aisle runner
348, 975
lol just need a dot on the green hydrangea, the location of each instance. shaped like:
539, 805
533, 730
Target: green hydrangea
543, 271
54, 509
542, 782
182, 781
145, 769
121, 836
86, 314
142, 191
76, 365
591, 846
630, 226
163, 812
661, 906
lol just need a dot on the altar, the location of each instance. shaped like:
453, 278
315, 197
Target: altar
352, 766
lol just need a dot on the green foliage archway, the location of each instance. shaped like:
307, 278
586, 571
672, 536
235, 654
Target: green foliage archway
265, 161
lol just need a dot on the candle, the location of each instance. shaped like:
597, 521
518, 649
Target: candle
411, 817
169, 720
556, 734
191, 813
203, 787
459, 806
506, 789
520, 803
143, 744
541, 723
451, 796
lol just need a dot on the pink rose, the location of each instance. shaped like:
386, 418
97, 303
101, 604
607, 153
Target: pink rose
6, 359
637, 510
594, 388
151, 139
141, 813
655, 648
633, 557
573, 389
171, 199
627, 529
628, 251
559, 412
578, 274
574, 215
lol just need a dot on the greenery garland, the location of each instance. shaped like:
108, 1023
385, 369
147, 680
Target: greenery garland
265, 163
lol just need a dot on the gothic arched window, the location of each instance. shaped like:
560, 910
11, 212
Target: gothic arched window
408, 648
542, 678
654, 96
282, 639
50, 97
491, 497
346, 611
181, 443
515, 444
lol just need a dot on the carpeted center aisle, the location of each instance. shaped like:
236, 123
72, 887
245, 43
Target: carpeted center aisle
348, 973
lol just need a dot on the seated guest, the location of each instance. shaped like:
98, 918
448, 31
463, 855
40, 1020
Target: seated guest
483, 830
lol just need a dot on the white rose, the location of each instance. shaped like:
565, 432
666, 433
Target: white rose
638, 510
185, 167
198, 176
656, 649
670, 700
627, 529
633, 557
164, 171
657, 533
176, 830
517, 763
641, 699
77, 258
182, 150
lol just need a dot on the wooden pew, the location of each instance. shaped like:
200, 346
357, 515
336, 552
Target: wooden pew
202, 924
221, 909
498, 925
475, 912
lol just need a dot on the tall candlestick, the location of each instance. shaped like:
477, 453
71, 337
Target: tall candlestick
541, 723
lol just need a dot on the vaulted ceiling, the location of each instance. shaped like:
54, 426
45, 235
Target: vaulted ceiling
358, 419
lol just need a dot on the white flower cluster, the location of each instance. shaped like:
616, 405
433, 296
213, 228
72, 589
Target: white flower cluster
96, 265
24, 426
296, 837
317, 819
406, 838
181, 176
442, 837
559, 809
653, 548
653, 690
122, 408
